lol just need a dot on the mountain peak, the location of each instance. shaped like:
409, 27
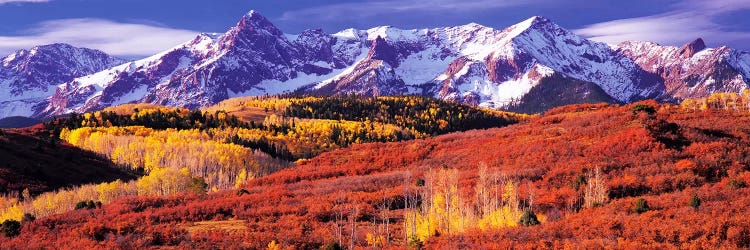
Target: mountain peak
60, 51
534, 22
255, 58
30, 52
56, 45
689, 49
348, 34
254, 15
63, 47
538, 19
253, 20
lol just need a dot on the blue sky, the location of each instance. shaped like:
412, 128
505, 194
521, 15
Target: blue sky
137, 28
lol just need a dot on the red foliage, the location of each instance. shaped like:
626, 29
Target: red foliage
665, 157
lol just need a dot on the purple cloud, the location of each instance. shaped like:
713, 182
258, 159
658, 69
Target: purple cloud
22, 1
122, 39
345, 11
690, 20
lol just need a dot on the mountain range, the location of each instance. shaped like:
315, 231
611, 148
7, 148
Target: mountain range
529, 67
29, 77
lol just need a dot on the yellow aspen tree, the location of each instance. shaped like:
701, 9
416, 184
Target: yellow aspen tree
483, 191
14, 212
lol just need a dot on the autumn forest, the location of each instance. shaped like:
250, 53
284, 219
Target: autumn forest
407, 172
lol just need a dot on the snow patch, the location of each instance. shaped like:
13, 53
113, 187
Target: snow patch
100, 79
27, 94
338, 74
274, 86
205, 44
347, 34
322, 64
22, 107
477, 51
132, 96
464, 70
517, 29
8, 59
291, 37
423, 67
496, 95
392, 34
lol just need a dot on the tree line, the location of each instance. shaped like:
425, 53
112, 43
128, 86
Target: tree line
420, 114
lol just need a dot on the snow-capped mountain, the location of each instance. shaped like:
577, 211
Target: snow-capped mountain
496, 68
252, 58
29, 77
531, 66
692, 70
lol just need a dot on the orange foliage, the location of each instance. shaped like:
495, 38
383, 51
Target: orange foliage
665, 157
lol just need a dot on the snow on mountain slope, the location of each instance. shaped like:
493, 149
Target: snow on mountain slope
582, 59
508, 63
28, 77
471, 63
253, 57
130, 81
409, 56
692, 70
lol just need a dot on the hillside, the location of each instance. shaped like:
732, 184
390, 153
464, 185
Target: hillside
302, 126
40, 164
643, 175
180, 150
